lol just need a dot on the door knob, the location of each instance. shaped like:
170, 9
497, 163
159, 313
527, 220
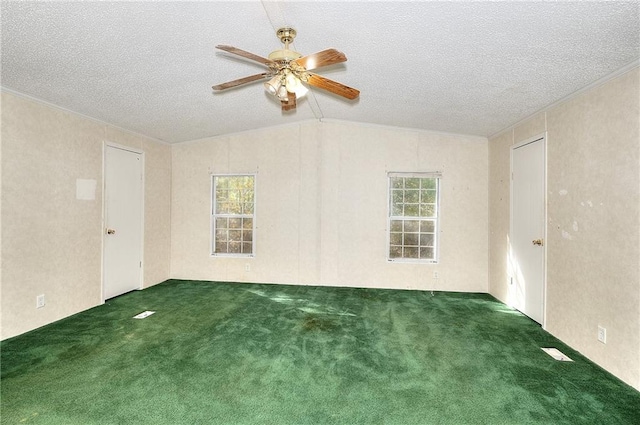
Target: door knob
538, 242
111, 232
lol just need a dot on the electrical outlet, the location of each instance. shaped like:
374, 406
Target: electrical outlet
435, 274
247, 267
40, 301
602, 334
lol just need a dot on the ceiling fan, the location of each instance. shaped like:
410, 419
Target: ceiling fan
288, 70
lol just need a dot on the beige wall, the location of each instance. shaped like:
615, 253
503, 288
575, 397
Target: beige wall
593, 220
322, 206
52, 241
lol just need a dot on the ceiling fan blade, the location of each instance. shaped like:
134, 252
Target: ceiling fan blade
323, 58
332, 86
241, 81
289, 104
245, 54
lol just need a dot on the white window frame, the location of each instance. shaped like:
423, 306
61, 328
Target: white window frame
436, 228
214, 216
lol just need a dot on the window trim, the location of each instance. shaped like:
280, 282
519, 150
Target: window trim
213, 215
418, 174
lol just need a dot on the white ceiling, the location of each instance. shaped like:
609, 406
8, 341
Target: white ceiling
461, 67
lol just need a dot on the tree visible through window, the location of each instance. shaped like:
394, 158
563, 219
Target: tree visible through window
413, 216
233, 214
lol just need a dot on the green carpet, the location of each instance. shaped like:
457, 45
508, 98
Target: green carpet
226, 353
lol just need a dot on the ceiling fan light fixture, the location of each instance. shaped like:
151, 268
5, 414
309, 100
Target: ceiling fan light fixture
283, 94
292, 82
301, 90
274, 84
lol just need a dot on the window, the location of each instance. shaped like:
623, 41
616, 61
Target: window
232, 215
413, 216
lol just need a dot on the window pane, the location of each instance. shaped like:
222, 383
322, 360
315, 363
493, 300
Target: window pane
247, 223
411, 210
396, 225
235, 247
246, 196
221, 223
412, 183
427, 253
427, 226
222, 207
427, 210
221, 248
235, 223
410, 239
395, 252
221, 235
247, 208
428, 183
412, 196
246, 248
222, 195
235, 235
426, 239
411, 252
234, 208
428, 196
396, 196
397, 210
246, 182
411, 225
247, 235
396, 182
222, 182
236, 181
395, 239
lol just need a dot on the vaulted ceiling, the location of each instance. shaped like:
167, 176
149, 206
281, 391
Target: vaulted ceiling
461, 67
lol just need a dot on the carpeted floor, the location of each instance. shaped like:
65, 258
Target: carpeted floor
224, 353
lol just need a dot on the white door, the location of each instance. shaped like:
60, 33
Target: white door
527, 227
123, 197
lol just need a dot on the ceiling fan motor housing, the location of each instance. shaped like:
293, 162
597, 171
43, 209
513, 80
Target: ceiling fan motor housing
285, 55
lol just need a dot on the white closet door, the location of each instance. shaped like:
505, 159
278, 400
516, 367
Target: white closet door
123, 215
528, 227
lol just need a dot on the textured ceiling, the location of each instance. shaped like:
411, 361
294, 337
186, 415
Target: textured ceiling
461, 67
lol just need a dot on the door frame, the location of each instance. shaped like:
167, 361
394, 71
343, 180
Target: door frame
541, 136
105, 146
